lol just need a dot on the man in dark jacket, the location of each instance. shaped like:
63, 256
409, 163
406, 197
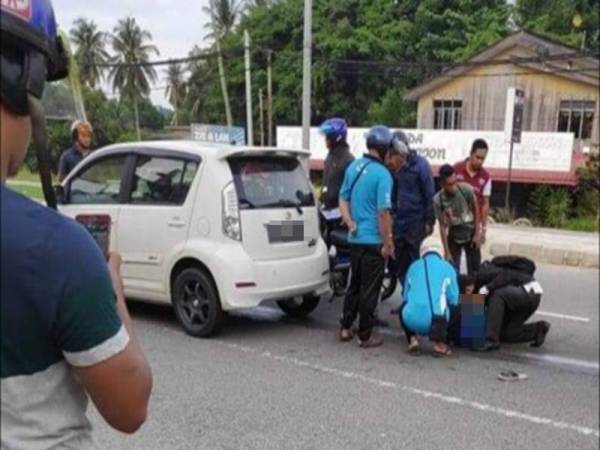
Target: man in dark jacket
512, 297
338, 159
412, 202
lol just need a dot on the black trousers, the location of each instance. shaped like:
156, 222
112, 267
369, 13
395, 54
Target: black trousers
362, 296
408, 246
441, 329
508, 310
472, 253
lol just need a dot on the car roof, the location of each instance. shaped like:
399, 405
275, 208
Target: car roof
203, 149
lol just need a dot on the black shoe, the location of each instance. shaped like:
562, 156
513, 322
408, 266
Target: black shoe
489, 346
540, 336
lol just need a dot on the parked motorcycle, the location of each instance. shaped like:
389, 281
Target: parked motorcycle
335, 235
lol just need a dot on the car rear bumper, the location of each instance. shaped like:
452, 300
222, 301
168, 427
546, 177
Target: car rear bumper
244, 283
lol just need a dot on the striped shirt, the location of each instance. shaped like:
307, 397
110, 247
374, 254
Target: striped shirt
57, 312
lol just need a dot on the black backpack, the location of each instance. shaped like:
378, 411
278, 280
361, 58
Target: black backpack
517, 263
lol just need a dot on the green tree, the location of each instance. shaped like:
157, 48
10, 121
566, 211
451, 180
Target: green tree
223, 16
131, 76
176, 89
573, 22
91, 51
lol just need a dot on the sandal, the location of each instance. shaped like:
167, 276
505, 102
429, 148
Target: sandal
511, 375
441, 354
414, 348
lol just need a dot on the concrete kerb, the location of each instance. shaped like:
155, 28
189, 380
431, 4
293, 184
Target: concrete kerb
543, 253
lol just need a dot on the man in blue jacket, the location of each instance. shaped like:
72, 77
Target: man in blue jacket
431, 297
412, 201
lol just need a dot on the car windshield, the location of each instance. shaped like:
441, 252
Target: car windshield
271, 182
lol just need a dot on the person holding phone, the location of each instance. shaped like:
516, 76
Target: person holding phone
66, 333
457, 211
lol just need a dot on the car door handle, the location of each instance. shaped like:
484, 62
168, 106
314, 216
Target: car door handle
176, 223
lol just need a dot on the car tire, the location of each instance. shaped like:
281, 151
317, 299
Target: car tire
196, 303
300, 306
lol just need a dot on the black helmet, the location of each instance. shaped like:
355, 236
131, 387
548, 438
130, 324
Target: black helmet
31, 51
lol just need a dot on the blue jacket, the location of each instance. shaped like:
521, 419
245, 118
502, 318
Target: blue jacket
443, 283
413, 193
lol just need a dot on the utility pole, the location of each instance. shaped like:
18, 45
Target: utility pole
224, 85
270, 97
513, 127
306, 74
249, 124
261, 117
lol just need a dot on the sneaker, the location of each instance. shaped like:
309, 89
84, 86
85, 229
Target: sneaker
540, 336
345, 335
374, 341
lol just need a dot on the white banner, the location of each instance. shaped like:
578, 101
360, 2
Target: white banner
537, 151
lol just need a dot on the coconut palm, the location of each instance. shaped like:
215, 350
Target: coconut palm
132, 76
198, 83
223, 16
176, 88
91, 51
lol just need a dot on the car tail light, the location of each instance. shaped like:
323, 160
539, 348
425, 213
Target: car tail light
232, 226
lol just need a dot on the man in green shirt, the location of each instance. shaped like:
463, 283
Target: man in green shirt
458, 214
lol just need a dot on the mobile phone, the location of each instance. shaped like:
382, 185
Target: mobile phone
98, 226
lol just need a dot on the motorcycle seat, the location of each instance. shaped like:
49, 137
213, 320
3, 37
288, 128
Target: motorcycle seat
339, 238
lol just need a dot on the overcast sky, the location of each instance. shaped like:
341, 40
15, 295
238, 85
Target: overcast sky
175, 25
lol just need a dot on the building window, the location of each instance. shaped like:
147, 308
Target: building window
447, 114
577, 117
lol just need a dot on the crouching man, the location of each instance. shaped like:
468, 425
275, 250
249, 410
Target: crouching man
431, 299
512, 297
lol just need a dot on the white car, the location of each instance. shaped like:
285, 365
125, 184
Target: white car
208, 228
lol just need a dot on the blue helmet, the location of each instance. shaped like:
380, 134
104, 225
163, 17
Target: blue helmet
32, 53
335, 129
379, 138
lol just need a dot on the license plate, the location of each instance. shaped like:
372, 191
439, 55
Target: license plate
287, 231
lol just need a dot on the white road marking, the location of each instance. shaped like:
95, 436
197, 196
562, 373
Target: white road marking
561, 360
580, 429
563, 316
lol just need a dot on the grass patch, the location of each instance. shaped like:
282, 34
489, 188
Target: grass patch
589, 224
26, 175
33, 192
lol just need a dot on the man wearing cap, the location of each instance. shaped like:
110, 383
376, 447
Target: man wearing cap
81, 133
412, 201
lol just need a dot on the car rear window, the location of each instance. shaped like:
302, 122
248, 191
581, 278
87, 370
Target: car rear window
271, 182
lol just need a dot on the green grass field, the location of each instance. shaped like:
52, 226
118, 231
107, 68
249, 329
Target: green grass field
33, 192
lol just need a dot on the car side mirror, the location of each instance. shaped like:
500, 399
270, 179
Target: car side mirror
59, 193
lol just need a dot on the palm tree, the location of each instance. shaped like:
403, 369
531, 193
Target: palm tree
198, 84
176, 88
223, 16
132, 75
91, 53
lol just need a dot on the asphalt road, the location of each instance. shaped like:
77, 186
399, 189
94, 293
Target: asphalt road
268, 382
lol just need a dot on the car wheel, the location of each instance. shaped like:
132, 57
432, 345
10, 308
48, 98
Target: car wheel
299, 306
388, 287
196, 302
